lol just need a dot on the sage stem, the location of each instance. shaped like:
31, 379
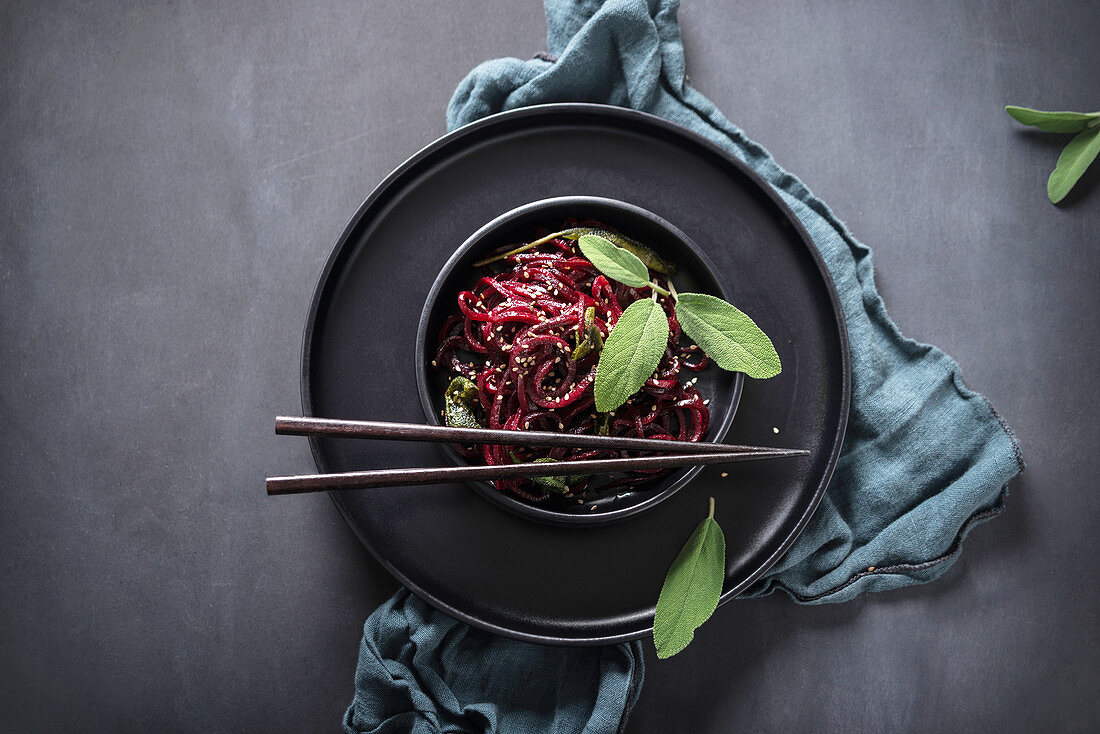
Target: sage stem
659, 289
521, 248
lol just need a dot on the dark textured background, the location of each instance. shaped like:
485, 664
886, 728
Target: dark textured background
172, 176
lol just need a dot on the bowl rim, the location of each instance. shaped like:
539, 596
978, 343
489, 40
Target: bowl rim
505, 500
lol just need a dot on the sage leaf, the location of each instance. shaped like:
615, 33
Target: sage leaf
692, 588
593, 342
1072, 163
555, 484
652, 260
589, 340
630, 354
1055, 122
727, 335
459, 404
582, 328
614, 262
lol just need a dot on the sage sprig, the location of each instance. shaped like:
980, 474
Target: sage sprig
634, 348
1077, 155
692, 588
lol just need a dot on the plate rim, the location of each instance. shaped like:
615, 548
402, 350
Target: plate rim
380, 191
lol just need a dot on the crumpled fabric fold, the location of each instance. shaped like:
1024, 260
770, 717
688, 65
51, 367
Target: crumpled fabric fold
424, 672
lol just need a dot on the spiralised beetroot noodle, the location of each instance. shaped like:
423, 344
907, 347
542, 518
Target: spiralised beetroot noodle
514, 337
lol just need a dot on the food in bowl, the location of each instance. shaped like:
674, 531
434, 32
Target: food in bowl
580, 331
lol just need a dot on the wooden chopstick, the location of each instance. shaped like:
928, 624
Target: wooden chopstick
386, 430
438, 475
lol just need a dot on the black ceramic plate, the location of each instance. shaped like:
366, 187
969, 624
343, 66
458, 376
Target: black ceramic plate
470, 557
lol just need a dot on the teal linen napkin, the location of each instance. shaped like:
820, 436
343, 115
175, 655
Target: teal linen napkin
924, 460
424, 672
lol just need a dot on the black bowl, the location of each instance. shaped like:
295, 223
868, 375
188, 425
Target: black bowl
696, 273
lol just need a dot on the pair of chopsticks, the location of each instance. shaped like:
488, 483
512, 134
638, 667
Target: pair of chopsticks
684, 454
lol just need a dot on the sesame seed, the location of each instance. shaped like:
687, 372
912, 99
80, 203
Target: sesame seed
706, 402
725, 473
775, 430
434, 363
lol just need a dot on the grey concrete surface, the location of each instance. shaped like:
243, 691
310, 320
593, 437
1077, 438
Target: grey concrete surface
172, 175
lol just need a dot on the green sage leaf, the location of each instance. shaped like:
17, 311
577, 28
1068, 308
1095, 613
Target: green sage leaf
593, 343
728, 336
555, 484
589, 340
630, 354
582, 328
614, 262
1072, 163
460, 403
1055, 122
652, 260
692, 588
